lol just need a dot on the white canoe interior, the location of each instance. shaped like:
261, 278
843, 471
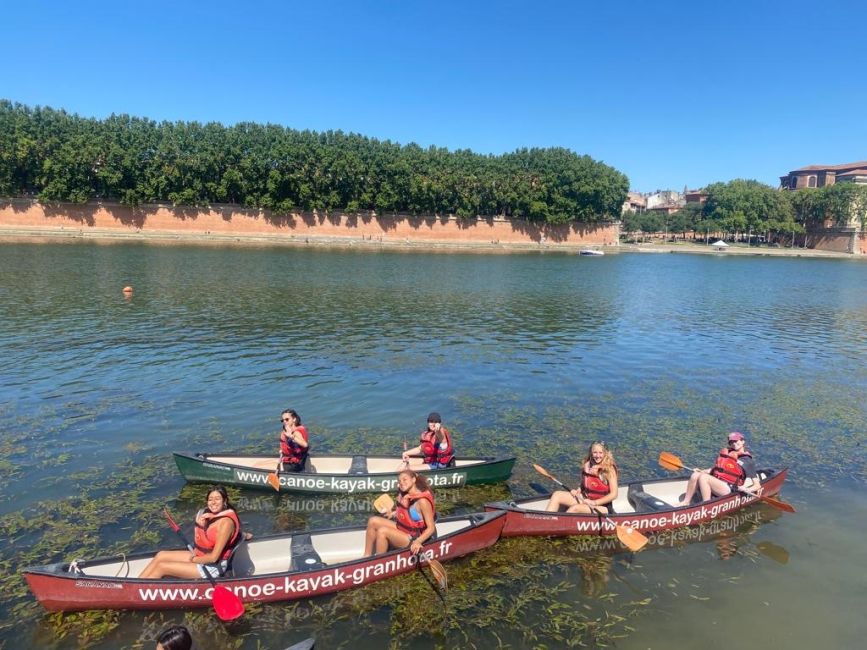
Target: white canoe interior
337, 464
669, 492
301, 551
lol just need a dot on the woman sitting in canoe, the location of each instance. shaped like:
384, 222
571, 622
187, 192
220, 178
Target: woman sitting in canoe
218, 532
294, 445
734, 470
435, 446
598, 485
411, 523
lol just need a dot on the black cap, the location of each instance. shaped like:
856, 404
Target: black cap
434, 417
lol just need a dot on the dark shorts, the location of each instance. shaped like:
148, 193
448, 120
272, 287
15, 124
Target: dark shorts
293, 467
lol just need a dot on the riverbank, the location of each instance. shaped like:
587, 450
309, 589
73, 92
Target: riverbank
19, 234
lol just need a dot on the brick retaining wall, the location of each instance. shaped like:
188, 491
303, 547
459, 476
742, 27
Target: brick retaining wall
96, 219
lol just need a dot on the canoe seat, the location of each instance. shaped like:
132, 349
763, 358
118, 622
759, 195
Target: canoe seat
644, 502
359, 465
304, 556
240, 564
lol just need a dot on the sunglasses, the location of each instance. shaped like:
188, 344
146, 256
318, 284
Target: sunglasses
285, 419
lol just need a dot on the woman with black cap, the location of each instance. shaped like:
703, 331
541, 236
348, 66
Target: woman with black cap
435, 445
733, 471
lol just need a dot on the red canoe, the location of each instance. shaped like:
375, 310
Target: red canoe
646, 506
276, 567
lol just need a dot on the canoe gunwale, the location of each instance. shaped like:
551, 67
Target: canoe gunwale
532, 522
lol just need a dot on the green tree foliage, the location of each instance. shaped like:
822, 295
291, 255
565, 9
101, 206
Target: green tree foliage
844, 204
55, 156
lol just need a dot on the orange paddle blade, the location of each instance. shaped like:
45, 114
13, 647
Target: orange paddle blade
543, 471
227, 605
777, 503
383, 504
439, 573
274, 481
670, 461
630, 538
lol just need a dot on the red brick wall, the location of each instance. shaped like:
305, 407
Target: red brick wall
231, 220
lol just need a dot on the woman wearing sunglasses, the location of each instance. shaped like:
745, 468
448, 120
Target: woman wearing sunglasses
294, 442
598, 485
734, 470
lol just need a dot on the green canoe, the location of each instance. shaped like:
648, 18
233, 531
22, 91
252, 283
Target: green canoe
336, 474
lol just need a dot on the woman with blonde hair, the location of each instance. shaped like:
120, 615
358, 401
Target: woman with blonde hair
598, 485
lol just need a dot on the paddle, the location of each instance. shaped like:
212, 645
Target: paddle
628, 536
773, 551
227, 605
673, 463
274, 479
385, 504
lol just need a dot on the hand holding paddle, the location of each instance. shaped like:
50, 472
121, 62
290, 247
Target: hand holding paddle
274, 478
673, 463
384, 505
628, 536
227, 605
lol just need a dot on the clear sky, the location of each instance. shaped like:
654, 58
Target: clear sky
670, 93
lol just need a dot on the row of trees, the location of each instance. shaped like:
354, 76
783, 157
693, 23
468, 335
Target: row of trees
749, 207
56, 156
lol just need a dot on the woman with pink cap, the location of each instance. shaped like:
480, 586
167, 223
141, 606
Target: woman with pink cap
734, 470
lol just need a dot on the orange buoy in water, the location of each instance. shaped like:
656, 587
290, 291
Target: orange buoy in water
127, 291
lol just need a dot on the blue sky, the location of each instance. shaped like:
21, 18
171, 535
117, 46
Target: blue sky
670, 93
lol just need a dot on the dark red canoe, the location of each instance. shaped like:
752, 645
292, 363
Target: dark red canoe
646, 506
276, 567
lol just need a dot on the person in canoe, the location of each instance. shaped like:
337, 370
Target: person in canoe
435, 445
176, 637
294, 442
598, 485
734, 470
411, 523
217, 533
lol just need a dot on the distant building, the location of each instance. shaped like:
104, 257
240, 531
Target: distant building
695, 196
821, 175
635, 202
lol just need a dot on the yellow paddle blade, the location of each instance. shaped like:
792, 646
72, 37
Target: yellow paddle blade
383, 504
274, 481
670, 461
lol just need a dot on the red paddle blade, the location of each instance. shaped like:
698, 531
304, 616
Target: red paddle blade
274, 481
227, 605
171, 521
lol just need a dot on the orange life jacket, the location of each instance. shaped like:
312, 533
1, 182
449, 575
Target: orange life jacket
404, 520
431, 449
727, 467
206, 536
291, 452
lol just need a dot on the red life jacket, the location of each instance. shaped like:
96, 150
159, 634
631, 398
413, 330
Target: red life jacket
206, 537
431, 450
402, 517
292, 452
593, 487
727, 467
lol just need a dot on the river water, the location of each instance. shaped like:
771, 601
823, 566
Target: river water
528, 354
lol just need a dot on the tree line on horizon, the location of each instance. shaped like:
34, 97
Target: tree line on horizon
55, 156
750, 207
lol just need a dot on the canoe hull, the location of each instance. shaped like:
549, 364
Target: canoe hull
202, 468
521, 522
58, 590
